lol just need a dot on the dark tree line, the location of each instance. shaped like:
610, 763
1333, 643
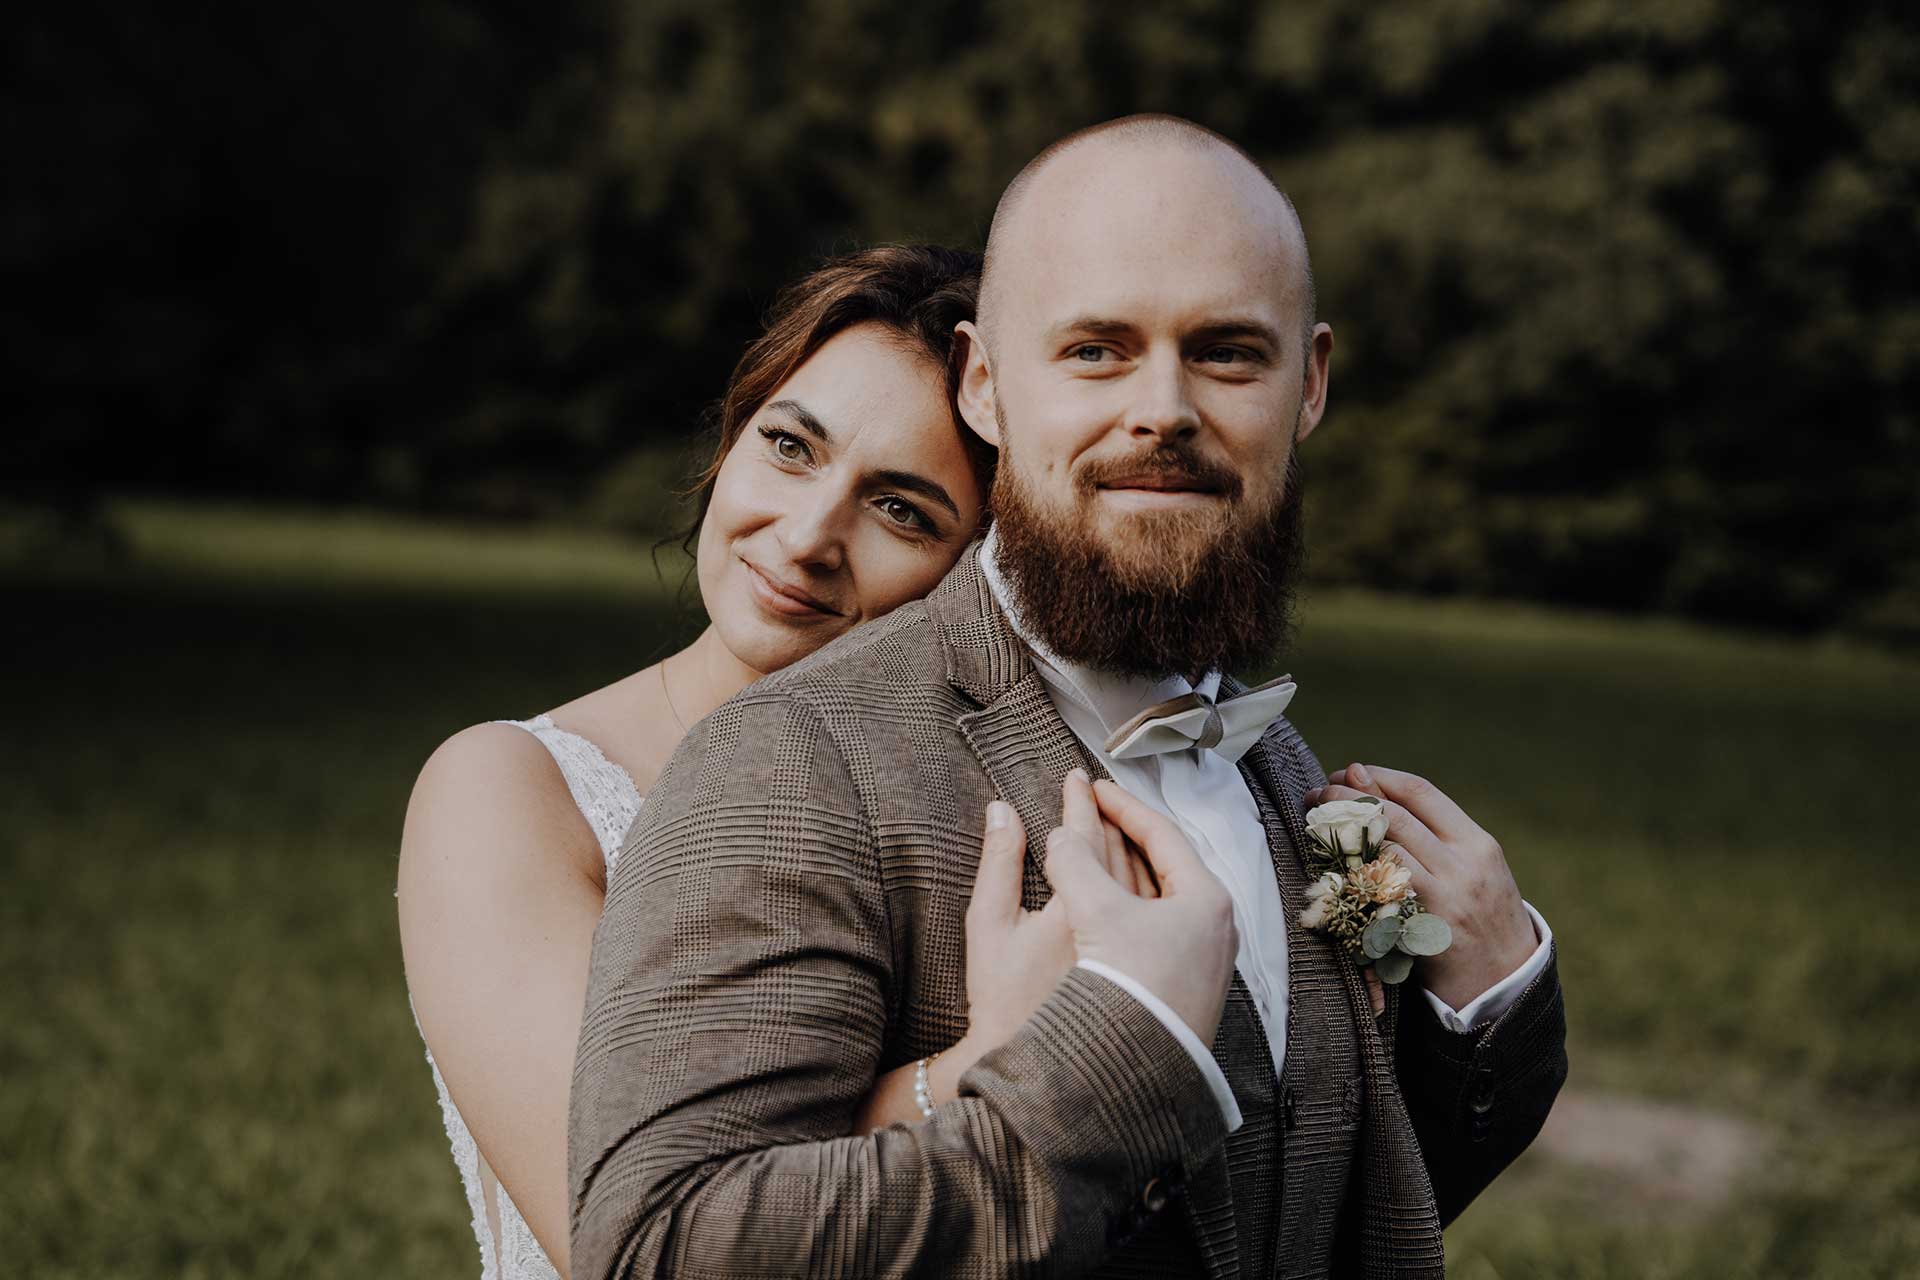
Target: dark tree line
1625, 294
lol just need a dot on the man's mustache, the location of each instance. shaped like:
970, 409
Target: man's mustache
1167, 465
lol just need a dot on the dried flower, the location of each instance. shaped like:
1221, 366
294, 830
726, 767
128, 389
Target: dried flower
1383, 880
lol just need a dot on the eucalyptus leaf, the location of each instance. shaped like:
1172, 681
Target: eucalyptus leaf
1380, 935
1425, 935
1393, 967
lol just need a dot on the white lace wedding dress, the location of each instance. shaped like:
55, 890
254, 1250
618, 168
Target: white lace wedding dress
609, 800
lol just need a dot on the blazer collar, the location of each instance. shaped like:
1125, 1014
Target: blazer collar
985, 659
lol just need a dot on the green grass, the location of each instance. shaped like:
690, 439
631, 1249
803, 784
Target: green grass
207, 1067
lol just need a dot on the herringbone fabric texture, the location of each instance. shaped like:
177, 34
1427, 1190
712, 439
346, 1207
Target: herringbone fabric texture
786, 923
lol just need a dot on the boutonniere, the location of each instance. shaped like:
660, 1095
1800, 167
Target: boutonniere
1364, 896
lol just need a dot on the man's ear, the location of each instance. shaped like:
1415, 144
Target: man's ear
976, 383
1313, 384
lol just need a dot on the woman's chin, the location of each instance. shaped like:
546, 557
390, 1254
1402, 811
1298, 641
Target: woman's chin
766, 645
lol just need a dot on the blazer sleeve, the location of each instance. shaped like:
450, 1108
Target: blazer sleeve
1478, 1100
735, 1017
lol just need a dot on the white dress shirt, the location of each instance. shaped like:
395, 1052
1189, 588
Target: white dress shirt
1209, 801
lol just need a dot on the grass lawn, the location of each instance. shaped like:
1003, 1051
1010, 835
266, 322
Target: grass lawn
207, 1067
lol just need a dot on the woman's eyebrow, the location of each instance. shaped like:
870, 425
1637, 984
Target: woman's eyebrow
804, 418
928, 489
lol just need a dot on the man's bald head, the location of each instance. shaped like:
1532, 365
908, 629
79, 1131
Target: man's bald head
1127, 149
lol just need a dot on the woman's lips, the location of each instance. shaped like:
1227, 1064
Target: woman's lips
787, 601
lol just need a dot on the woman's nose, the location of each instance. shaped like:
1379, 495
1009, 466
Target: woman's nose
814, 534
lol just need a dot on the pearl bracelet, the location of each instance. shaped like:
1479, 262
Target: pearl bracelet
922, 1091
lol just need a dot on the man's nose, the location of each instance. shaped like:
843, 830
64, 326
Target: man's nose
814, 533
1162, 407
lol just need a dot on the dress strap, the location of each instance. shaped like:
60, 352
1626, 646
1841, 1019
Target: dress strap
604, 792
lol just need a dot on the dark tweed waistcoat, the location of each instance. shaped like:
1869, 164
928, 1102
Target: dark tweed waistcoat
787, 922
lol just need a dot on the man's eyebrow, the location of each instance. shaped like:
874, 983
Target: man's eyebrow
1090, 327
803, 416
1211, 331
929, 489
1235, 327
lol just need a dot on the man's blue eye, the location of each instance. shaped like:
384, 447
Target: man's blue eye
1090, 354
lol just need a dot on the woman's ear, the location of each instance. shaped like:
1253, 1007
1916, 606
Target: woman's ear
976, 383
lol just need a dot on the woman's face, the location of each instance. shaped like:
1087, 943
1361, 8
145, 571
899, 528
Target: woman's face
847, 495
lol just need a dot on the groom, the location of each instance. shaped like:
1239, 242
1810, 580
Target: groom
1210, 1092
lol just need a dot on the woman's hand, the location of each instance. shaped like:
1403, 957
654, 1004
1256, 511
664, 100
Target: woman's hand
1460, 873
1015, 957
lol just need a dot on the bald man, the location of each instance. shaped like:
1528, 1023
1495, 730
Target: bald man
1212, 1090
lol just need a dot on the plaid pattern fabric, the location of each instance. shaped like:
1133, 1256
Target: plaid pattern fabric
787, 922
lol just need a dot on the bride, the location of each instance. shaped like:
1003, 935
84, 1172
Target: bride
843, 485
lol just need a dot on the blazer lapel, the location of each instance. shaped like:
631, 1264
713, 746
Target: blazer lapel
1398, 1205
1026, 750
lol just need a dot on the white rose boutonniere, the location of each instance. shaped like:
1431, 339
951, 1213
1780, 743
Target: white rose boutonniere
1348, 827
1364, 895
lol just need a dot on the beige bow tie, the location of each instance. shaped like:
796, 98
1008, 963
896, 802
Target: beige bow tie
1195, 720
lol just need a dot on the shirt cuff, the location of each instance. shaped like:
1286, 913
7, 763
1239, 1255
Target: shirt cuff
1498, 998
1179, 1030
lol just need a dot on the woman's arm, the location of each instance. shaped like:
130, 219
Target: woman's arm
501, 885
1015, 958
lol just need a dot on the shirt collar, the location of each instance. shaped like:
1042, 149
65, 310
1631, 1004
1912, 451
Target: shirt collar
1112, 698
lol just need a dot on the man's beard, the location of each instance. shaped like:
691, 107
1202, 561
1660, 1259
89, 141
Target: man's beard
1184, 592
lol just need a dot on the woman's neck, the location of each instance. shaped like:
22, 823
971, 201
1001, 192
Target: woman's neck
703, 675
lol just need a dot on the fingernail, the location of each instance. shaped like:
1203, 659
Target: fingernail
1313, 796
1357, 774
1077, 772
999, 813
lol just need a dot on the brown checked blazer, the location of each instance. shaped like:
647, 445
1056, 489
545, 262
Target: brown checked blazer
787, 922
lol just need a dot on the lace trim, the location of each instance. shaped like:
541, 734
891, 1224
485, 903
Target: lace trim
609, 801
604, 791
466, 1158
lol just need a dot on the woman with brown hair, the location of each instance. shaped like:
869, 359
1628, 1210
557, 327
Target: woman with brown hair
842, 486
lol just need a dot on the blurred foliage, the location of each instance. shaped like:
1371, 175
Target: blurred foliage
1625, 292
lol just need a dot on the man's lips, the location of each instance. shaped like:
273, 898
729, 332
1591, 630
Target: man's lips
1162, 484
786, 598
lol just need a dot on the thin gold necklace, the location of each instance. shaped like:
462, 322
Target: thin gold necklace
669, 692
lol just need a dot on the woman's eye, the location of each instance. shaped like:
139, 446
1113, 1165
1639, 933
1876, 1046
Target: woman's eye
902, 512
789, 447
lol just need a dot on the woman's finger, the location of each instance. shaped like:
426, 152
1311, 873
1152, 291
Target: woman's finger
1410, 791
1427, 850
1119, 865
1170, 857
1077, 873
996, 884
1078, 813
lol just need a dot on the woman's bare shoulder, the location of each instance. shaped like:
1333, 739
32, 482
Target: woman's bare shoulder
490, 800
